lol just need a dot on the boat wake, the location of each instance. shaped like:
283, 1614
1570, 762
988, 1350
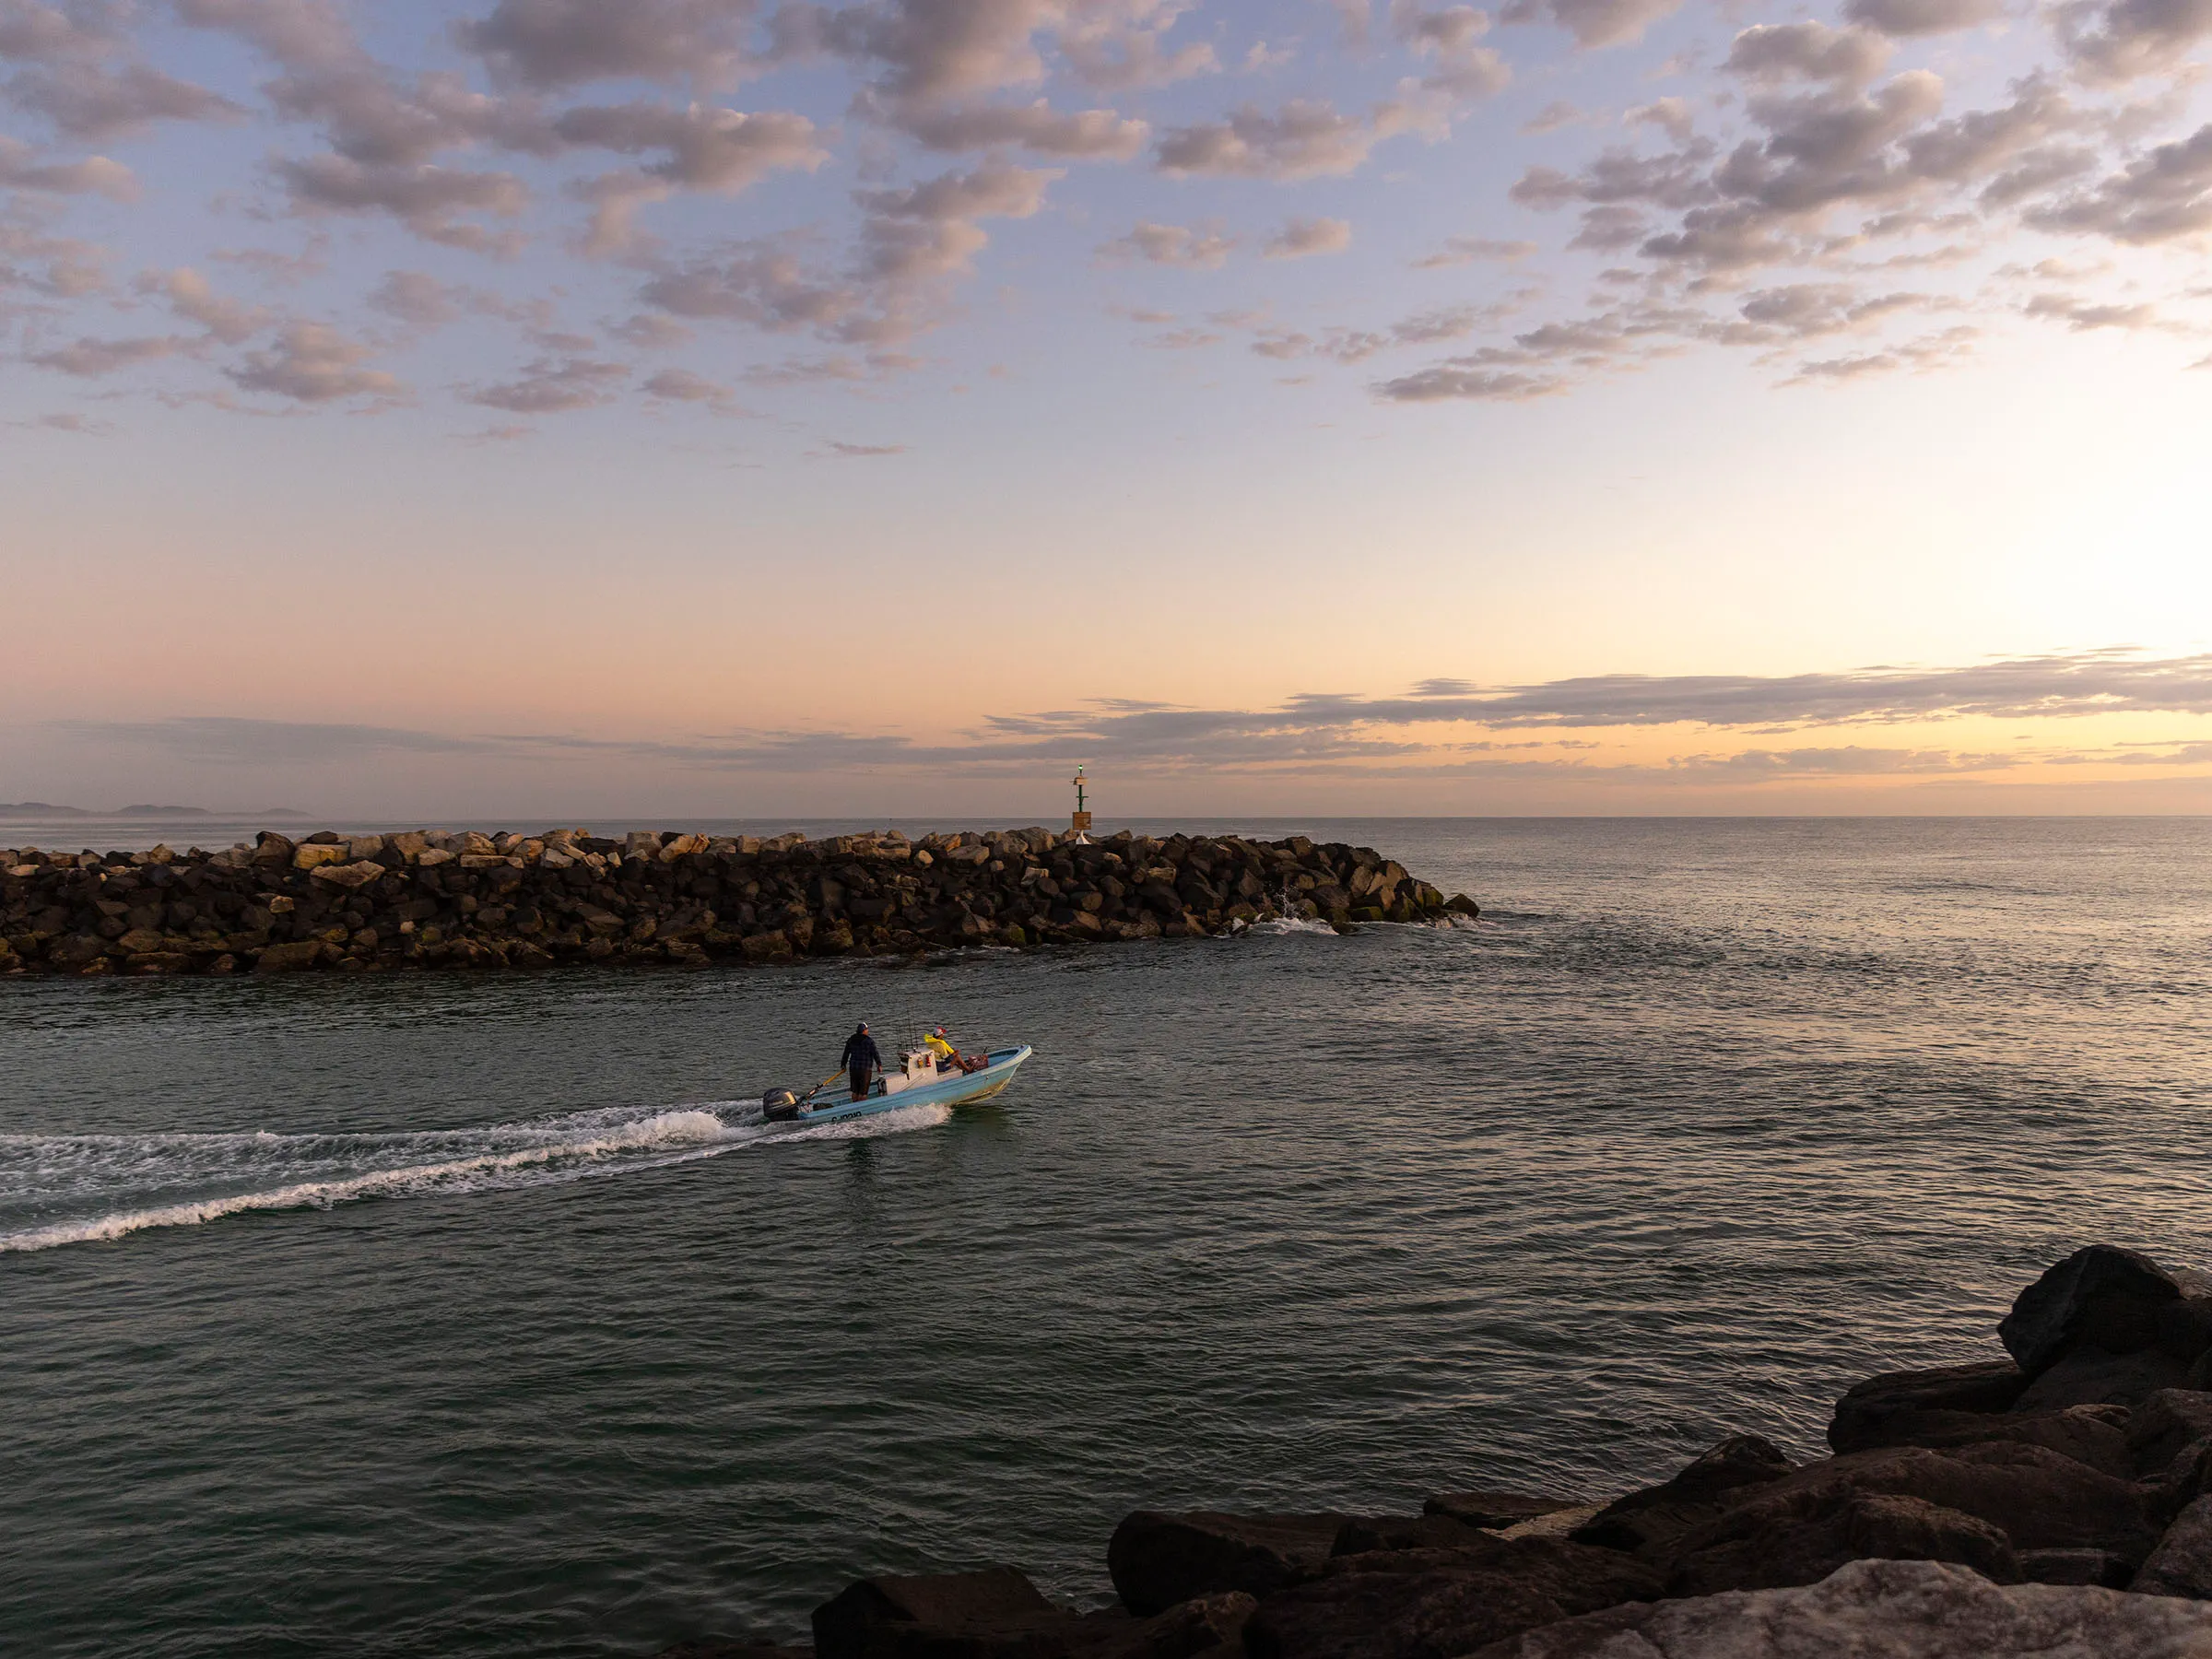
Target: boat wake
77, 1189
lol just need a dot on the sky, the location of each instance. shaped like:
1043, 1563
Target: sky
727, 408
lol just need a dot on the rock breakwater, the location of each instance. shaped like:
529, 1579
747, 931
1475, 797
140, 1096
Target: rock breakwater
2053, 1501
433, 898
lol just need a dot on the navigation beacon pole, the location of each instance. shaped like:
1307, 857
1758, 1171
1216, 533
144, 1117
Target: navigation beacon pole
1080, 823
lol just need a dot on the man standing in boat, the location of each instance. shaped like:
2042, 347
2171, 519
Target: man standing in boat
861, 1060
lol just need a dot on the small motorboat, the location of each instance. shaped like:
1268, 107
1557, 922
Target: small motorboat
917, 1082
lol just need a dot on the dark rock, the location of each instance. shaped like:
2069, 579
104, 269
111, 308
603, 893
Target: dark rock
2075, 1567
2096, 1435
1799, 1537
993, 1614
1648, 1522
1988, 1385
2182, 1564
2037, 1498
2164, 1425
2099, 1297
2088, 1376
1208, 1624
1493, 1509
1158, 1559
1365, 1532
1882, 1610
1432, 1604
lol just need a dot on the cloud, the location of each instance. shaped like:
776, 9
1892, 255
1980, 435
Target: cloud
1447, 38
1593, 23
2118, 41
552, 386
1907, 17
190, 297
23, 168
1323, 733
862, 452
1082, 134
83, 426
313, 363
426, 199
2161, 196
87, 101
1303, 237
722, 151
2082, 316
1808, 52
1469, 379
549, 44
1466, 250
1193, 247
89, 359
1304, 139
681, 385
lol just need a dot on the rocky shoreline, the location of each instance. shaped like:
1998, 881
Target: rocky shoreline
2056, 1501
435, 898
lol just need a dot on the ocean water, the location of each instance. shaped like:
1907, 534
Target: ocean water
473, 1316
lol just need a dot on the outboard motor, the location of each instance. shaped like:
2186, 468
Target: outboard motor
780, 1106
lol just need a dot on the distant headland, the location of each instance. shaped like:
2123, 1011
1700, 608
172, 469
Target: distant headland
45, 810
448, 900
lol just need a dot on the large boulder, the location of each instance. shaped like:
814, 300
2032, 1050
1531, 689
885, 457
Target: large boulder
2182, 1564
1648, 1522
1883, 1610
2165, 1425
2096, 1435
2099, 1297
2037, 1498
1494, 1509
2090, 1376
1801, 1536
1365, 1532
1158, 1559
1433, 1603
1862, 1413
993, 1614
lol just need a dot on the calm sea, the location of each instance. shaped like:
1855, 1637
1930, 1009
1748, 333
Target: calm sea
467, 1316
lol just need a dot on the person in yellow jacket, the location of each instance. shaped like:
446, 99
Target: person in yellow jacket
939, 1045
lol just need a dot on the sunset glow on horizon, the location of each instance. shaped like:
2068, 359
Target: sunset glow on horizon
729, 408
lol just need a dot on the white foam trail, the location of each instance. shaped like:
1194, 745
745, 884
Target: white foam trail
559, 1149
1293, 924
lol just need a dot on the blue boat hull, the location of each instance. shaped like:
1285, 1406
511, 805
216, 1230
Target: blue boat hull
958, 1088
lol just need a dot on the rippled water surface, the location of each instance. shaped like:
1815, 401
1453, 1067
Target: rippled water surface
471, 1317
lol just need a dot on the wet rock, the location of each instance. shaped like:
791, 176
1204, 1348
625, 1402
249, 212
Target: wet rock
2037, 1498
1985, 1386
2096, 1435
290, 959
2090, 1376
1799, 1537
2182, 1564
1156, 1559
1365, 1532
2167, 1422
1650, 1521
1432, 1604
1883, 1610
2101, 1297
2076, 1567
993, 1614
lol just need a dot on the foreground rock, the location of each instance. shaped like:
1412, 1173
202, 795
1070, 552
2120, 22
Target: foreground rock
1977, 1509
433, 900
1882, 1609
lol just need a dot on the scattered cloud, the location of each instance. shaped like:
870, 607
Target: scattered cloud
1194, 247
1304, 237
